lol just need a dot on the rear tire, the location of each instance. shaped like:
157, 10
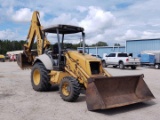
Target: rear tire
3, 60
40, 78
133, 67
157, 66
69, 89
121, 65
114, 66
104, 64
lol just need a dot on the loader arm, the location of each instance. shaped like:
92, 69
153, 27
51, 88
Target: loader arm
104, 91
74, 68
35, 32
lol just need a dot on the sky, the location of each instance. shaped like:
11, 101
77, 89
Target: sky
111, 21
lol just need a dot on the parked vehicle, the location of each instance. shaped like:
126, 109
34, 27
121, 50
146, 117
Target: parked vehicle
2, 58
150, 58
12, 57
97, 56
120, 59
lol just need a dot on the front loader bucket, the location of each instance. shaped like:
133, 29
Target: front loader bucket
111, 92
22, 61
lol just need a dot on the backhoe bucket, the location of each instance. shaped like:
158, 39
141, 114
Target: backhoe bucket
22, 61
111, 92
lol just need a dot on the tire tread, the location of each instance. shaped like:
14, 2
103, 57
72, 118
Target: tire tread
75, 89
44, 83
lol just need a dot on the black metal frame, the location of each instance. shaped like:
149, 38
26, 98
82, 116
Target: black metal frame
64, 29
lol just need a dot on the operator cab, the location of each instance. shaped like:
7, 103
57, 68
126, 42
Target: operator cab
61, 30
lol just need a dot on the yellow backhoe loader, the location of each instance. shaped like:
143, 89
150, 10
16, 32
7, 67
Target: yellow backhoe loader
73, 70
2, 58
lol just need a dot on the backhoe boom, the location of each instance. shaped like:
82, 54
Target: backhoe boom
35, 31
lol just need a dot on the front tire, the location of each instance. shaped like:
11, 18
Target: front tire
3, 60
133, 67
104, 64
69, 89
114, 66
121, 65
40, 78
157, 66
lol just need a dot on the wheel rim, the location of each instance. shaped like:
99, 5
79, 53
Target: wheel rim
156, 66
36, 77
66, 89
121, 65
103, 64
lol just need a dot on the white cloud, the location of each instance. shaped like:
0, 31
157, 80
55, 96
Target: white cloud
130, 34
81, 8
64, 19
97, 20
146, 35
103, 21
8, 35
96, 38
22, 15
61, 19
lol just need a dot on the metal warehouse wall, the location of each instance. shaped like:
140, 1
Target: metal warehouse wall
137, 46
101, 50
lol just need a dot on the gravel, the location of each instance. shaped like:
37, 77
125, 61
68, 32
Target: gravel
18, 101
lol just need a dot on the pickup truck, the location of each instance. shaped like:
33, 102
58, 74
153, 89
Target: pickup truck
120, 59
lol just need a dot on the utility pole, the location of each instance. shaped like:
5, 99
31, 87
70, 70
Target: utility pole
80, 42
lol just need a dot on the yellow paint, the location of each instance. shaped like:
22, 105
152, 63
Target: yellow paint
2, 56
66, 89
78, 66
36, 77
57, 76
35, 33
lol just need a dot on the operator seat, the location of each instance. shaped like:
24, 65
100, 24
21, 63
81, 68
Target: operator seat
55, 49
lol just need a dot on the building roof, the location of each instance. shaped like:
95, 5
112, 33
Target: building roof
104, 47
143, 39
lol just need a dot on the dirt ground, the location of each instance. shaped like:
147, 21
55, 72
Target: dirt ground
18, 101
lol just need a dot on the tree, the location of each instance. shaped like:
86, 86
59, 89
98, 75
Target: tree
100, 43
7, 45
117, 44
71, 46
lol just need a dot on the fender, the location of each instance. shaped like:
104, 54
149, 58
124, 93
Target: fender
46, 60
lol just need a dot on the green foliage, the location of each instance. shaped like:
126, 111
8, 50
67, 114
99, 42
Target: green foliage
100, 43
117, 44
72, 46
7, 45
